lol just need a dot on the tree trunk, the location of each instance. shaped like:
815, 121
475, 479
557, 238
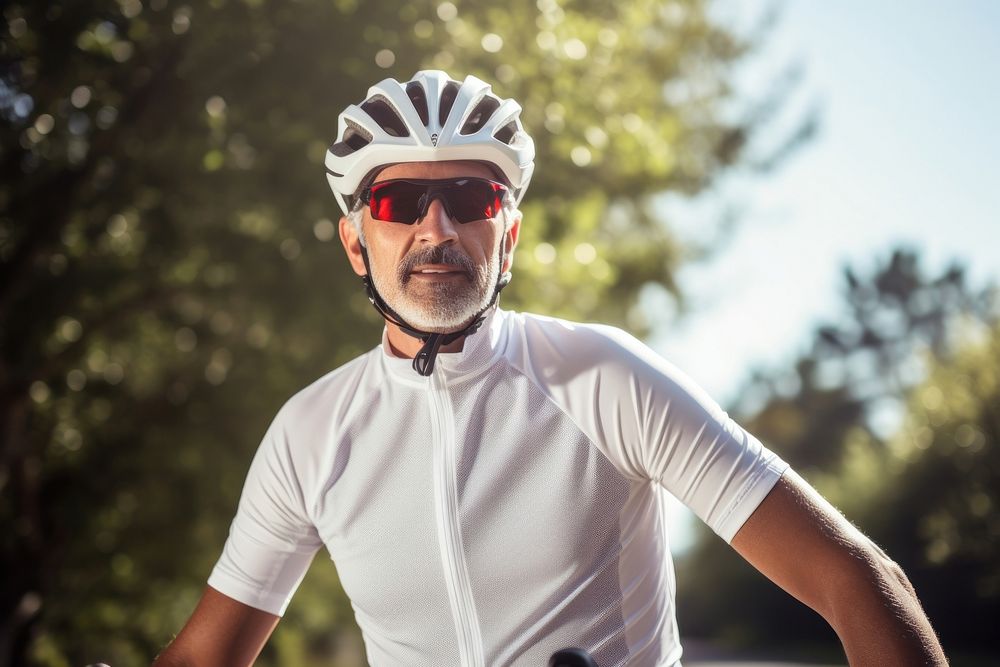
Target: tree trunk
20, 481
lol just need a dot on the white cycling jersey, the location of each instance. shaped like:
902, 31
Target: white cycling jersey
507, 506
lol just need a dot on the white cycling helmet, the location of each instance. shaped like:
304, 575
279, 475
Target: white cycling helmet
429, 118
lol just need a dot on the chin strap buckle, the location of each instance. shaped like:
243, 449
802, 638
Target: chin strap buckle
423, 361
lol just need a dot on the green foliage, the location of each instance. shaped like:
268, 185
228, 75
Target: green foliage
923, 351
860, 367
943, 475
169, 271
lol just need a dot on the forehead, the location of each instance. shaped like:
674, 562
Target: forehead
436, 170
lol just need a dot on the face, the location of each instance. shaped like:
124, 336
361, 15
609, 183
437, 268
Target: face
437, 273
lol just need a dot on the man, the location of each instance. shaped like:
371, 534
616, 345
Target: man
490, 484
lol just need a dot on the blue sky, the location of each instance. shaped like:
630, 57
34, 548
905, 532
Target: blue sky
908, 152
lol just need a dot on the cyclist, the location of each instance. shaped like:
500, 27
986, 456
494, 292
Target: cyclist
490, 483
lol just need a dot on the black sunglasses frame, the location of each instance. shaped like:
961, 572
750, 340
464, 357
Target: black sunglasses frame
441, 189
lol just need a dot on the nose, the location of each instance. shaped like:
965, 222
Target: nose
437, 227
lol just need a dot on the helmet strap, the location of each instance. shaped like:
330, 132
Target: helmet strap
423, 361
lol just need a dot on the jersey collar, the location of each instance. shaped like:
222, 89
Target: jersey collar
480, 351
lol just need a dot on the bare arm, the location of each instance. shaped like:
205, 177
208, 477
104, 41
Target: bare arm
804, 545
220, 633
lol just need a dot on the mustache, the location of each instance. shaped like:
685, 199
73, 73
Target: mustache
435, 255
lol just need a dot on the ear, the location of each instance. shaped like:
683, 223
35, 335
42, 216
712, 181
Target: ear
352, 245
510, 242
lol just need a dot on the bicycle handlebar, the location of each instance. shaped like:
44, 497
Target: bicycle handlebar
571, 657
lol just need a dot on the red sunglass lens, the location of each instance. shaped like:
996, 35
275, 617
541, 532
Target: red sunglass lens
466, 199
474, 200
397, 201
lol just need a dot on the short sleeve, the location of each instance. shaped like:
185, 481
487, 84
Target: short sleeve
683, 440
652, 421
271, 540
707, 460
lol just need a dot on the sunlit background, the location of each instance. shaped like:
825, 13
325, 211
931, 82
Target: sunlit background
905, 155
795, 203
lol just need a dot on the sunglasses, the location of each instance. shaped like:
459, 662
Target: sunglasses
406, 200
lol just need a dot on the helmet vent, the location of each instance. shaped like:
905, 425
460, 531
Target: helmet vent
482, 113
419, 99
355, 138
506, 133
385, 116
448, 96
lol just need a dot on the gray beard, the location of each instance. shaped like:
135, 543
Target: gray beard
439, 307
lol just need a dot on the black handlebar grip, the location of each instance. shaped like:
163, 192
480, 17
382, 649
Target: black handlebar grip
571, 657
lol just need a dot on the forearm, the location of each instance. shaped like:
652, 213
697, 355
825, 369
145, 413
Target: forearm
220, 633
211, 653
171, 658
880, 620
800, 542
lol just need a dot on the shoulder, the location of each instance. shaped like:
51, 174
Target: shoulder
557, 337
296, 446
334, 392
597, 364
562, 348
317, 414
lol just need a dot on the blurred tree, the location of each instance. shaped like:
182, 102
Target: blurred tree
169, 271
942, 483
847, 416
859, 369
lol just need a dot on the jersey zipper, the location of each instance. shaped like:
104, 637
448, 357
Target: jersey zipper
456, 571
